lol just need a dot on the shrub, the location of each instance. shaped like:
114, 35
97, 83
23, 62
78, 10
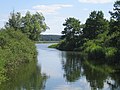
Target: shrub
15, 49
96, 52
110, 52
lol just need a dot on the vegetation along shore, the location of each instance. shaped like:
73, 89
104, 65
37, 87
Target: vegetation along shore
17, 41
98, 38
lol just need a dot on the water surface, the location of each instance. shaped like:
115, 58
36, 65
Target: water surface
60, 70
68, 71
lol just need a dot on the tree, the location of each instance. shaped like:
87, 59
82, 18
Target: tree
30, 24
71, 33
115, 17
14, 21
116, 14
115, 26
33, 25
72, 28
95, 24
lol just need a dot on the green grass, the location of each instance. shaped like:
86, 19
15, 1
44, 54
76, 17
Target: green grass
53, 46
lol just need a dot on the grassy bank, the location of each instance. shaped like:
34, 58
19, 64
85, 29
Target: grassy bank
15, 49
53, 46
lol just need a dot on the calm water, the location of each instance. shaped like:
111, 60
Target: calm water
59, 70
68, 71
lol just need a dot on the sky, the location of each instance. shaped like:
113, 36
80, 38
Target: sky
55, 11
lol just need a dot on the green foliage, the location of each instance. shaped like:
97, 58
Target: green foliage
115, 25
72, 28
27, 76
98, 37
70, 34
14, 21
30, 24
111, 52
94, 51
15, 49
50, 37
67, 45
116, 11
95, 25
62, 45
53, 46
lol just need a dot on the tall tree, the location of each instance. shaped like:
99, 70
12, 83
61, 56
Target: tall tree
30, 24
14, 21
116, 11
72, 28
33, 25
95, 24
71, 33
115, 25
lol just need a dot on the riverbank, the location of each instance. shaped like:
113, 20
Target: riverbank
108, 55
15, 50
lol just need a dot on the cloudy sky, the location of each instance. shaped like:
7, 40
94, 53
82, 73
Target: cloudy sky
55, 11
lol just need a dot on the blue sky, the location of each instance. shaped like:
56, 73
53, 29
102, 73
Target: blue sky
55, 11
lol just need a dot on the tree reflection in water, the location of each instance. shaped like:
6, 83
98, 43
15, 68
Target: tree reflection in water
99, 74
72, 66
28, 77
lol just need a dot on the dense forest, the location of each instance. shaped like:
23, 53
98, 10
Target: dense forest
99, 38
50, 37
17, 46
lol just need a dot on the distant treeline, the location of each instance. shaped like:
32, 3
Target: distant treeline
50, 37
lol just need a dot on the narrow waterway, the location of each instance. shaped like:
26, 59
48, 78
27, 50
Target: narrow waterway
66, 71
53, 62
60, 70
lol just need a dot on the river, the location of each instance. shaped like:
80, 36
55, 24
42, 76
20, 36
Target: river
63, 70
68, 71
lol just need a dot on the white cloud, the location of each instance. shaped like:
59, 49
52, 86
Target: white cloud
3, 20
50, 9
96, 1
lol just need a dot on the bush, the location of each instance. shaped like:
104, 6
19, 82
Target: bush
15, 49
111, 52
96, 52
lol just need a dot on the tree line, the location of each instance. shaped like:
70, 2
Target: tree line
98, 37
50, 37
30, 24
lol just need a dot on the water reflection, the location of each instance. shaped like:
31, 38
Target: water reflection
66, 71
28, 77
72, 66
95, 75
99, 74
